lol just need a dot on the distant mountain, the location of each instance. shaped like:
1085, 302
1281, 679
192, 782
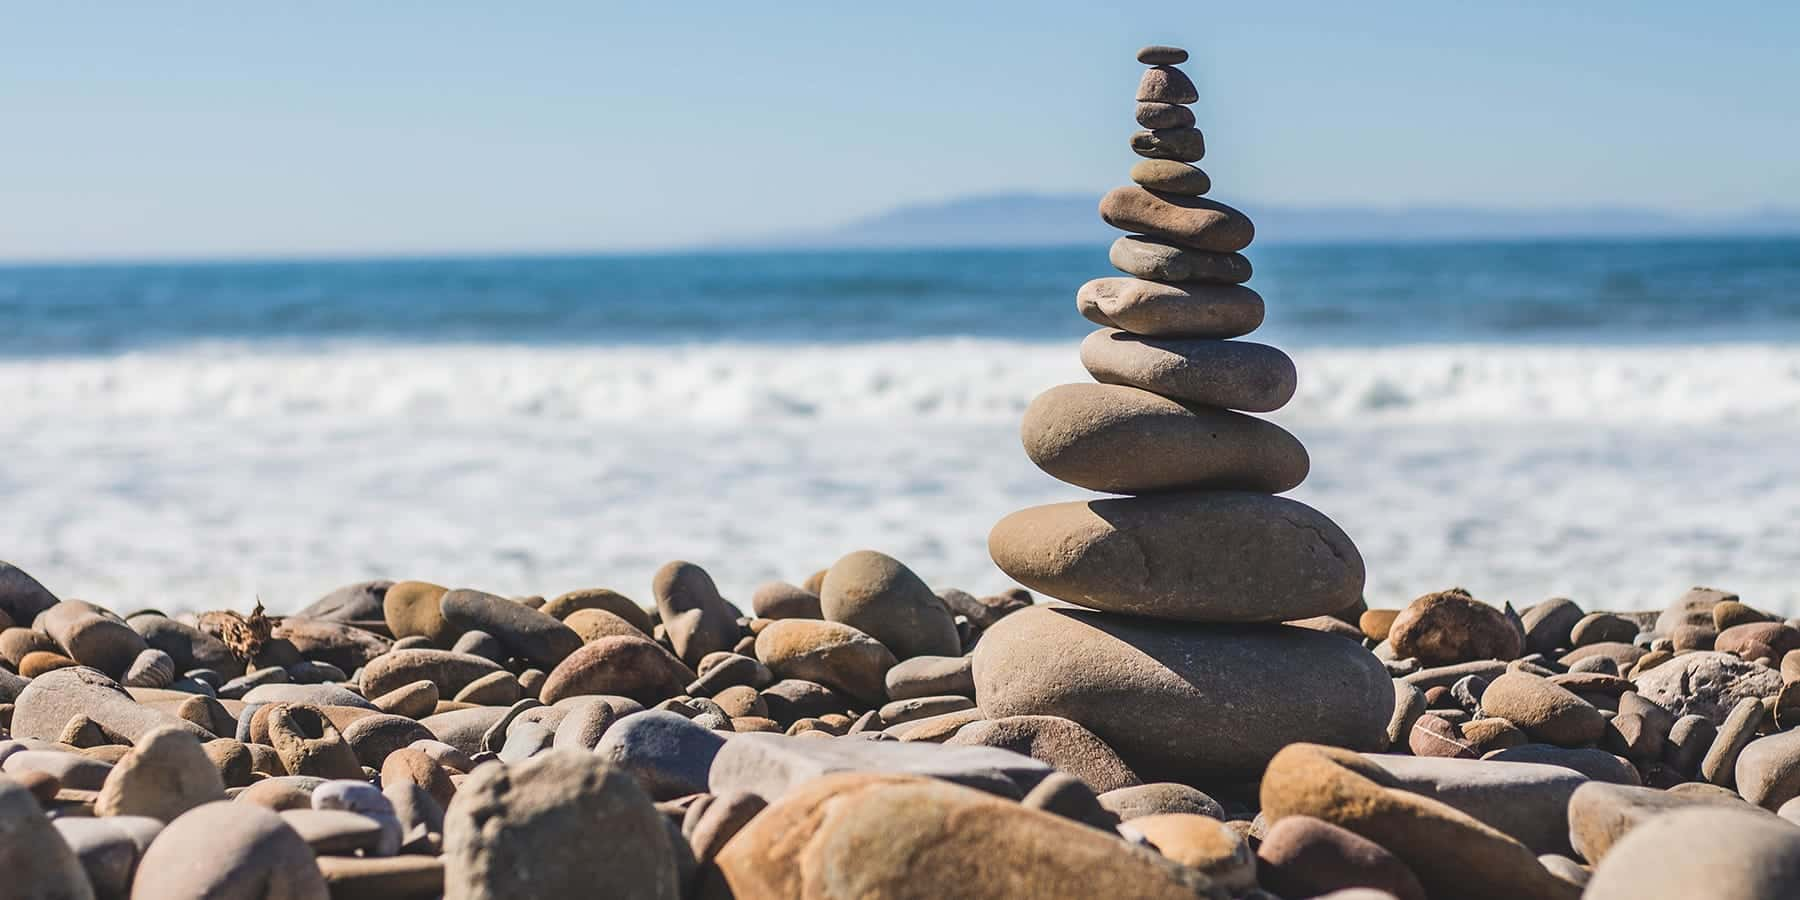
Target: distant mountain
1050, 219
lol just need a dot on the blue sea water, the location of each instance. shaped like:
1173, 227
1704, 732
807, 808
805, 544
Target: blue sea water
1613, 421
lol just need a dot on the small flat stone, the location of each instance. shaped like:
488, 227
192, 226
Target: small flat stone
389, 878
1719, 766
1758, 640
1527, 801
1060, 742
1237, 375
930, 676
781, 600
449, 670
1165, 84
1193, 222
415, 701
770, 765
1162, 55
1212, 556
830, 653
1180, 144
1159, 260
333, 831
1597, 627
1592, 762
1154, 309
1164, 115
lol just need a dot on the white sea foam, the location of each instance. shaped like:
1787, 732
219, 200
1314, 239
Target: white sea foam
200, 475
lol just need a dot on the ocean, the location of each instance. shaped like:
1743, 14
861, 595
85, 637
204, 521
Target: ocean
1608, 421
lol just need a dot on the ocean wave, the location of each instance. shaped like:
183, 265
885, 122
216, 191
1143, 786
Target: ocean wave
892, 383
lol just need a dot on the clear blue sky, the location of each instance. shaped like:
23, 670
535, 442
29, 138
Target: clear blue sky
175, 129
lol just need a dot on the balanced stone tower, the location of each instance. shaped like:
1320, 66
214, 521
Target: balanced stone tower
1172, 650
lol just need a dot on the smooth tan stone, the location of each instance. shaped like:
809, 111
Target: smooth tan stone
879, 596
1159, 260
1155, 309
1215, 556
1129, 441
1171, 176
1237, 375
1189, 221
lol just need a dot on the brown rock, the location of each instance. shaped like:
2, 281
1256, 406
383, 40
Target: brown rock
228, 851
309, 744
525, 633
1157, 260
698, 620
1194, 222
17, 643
1719, 854
632, 667
877, 595
1301, 856
415, 701
894, 836
603, 599
1759, 640
1707, 682
830, 653
1432, 736
1549, 624
411, 608
1154, 309
1162, 55
338, 643
166, 774
780, 600
1204, 844
1229, 374
1206, 556
1166, 84
1080, 433
1452, 627
1164, 115
1452, 854
1543, 710
1055, 740
383, 878
92, 636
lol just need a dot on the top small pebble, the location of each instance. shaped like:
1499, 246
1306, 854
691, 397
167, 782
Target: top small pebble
1162, 55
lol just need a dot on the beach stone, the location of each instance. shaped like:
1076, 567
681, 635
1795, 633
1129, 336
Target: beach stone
1409, 705
604, 599
1080, 432
1162, 55
1195, 222
309, 744
1159, 799
315, 694
697, 619
73, 771
492, 689
449, 670
1154, 309
1159, 260
362, 603
1719, 854
792, 699
669, 755
1154, 691
39, 662
22, 598
863, 835
38, 862
1451, 627
583, 724
983, 612
372, 738
1204, 844
556, 825
780, 600
1732, 612
1228, 374
593, 624
1165, 84
524, 632
232, 759
1707, 683
1601, 814
931, 676
1689, 739
152, 668
338, 644
228, 851
1719, 766
1759, 640
721, 670
108, 849
1164, 115
91, 638
1543, 710
770, 765
1526, 801
1549, 624
1693, 608
633, 667
1433, 736
1592, 762
877, 595
833, 654
1599, 627
713, 820
18, 643
411, 609
166, 774
1179, 144
741, 700
411, 766
1768, 769
383, 878
45, 707
899, 712
415, 700
190, 647
1205, 556
1054, 740
334, 831
1301, 856
1452, 853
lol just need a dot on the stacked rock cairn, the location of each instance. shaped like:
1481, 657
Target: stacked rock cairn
1173, 651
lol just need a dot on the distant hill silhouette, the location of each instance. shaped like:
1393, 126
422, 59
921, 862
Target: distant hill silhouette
1049, 219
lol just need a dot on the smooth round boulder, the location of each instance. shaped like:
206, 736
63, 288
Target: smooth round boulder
1123, 440
634, 667
1544, 711
411, 609
1768, 769
166, 774
1159, 260
1719, 854
1237, 375
1452, 627
1155, 309
1184, 702
1215, 556
830, 653
781, 600
92, 637
696, 619
1189, 221
449, 670
877, 595
1057, 741
229, 851
562, 605
523, 631
1301, 856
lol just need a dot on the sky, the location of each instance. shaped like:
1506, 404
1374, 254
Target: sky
183, 130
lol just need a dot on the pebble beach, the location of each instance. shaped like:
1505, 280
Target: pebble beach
1186, 692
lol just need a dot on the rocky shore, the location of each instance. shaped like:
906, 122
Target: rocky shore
1201, 704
